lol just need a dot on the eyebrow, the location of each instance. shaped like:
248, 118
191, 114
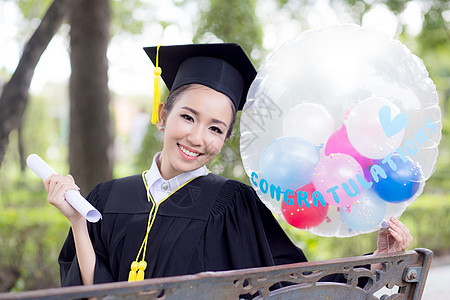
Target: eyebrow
196, 113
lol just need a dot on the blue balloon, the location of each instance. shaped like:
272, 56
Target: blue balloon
400, 184
366, 213
288, 162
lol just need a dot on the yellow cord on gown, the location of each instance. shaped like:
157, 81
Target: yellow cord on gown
137, 269
156, 89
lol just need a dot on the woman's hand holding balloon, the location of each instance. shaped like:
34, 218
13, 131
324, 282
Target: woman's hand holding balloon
395, 238
56, 186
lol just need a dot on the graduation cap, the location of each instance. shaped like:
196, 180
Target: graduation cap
223, 67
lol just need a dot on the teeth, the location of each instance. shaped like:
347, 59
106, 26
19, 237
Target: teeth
185, 151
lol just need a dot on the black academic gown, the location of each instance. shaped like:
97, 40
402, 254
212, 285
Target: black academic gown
210, 224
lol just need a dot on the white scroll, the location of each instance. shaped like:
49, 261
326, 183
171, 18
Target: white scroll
43, 170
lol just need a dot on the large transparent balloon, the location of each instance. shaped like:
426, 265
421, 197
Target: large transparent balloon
340, 130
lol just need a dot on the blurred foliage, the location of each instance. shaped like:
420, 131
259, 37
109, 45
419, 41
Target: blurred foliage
152, 143
30, 239
32, 9
31, 231
435, 30
127, 15
232, 21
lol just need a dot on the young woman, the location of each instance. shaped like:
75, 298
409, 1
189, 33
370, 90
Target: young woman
178, 218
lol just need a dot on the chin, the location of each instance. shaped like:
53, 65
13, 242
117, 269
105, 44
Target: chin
187, 167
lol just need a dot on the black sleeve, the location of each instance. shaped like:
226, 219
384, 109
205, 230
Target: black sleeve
69, 269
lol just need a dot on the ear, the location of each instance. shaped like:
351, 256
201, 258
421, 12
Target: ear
162, 115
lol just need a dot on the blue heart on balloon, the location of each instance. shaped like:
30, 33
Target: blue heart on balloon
394, 126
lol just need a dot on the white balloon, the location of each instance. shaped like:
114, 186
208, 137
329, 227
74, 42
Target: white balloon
365, 130
309, 121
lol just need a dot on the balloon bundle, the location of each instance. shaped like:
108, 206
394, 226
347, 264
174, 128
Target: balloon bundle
340, 130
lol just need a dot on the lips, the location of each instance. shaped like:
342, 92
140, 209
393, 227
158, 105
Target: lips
188, 153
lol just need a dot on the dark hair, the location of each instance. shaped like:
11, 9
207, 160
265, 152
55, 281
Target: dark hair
175, 95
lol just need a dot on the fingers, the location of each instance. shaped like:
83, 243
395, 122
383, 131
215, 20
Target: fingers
383, 231
400, 228
58, 193
48, 181
70, 177
400, 233
51, 181
395, 222
57, 185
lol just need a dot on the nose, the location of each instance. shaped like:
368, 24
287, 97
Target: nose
195, 137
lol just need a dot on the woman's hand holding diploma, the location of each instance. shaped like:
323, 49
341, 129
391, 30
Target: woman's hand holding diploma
60, 189
57, 186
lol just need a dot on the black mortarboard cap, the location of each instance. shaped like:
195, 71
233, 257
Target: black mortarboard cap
223, 67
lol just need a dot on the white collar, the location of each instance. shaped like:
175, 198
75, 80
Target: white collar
154, 178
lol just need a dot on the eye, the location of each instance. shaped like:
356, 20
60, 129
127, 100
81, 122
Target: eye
187, 117
216, 129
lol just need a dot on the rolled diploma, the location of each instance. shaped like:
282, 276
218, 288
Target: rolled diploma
43, 170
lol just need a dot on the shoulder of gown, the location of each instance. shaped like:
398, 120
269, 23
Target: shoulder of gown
244, 230
238, 205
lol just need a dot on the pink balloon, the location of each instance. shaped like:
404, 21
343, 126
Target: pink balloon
335, 176
339, 143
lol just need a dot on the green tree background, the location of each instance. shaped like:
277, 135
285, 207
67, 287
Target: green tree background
32, 232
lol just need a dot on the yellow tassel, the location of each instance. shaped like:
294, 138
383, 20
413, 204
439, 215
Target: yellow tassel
156, 95
156, 89
140, 273
132, 274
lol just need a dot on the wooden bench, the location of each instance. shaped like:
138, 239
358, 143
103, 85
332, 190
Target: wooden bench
404, 273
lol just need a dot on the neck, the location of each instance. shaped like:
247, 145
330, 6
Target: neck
162, 163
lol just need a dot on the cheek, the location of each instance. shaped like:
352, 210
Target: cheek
175, 128
215, 145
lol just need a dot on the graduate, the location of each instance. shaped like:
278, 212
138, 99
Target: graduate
178, 218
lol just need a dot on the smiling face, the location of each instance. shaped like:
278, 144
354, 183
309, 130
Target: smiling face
195, 130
